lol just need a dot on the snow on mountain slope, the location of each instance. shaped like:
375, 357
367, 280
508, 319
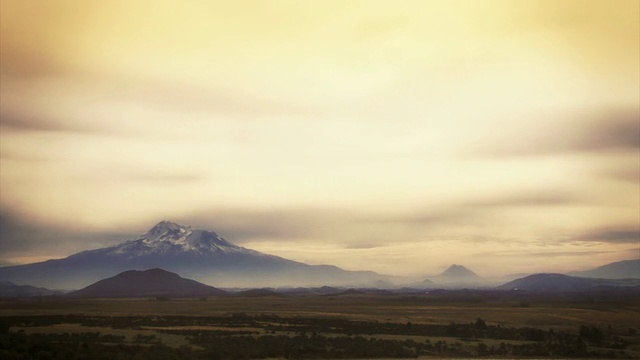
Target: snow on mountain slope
171, 238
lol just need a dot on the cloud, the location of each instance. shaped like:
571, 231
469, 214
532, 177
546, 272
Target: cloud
182, 98
358, 229
485, 210
25, 156
164, 178
543, 254
23, 237
141, 175
365, 246
466, 221
27, 103
286, 224
630, 174
613, 131
617, 131
15, 122
612, 235
533, 199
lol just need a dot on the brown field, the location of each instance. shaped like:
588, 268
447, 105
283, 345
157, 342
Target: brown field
620, 318
416, 309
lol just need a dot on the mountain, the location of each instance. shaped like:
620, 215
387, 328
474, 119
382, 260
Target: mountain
148, 283
455, 277
458, 272
627, 269
11, 290
197, 254
564, 283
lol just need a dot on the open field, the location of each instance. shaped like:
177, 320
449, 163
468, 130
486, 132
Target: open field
416, 309
330, 326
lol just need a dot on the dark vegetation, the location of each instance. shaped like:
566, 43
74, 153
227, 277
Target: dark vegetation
354, 324
261, 336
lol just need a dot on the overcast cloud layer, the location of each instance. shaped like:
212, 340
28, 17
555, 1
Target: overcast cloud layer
395, 137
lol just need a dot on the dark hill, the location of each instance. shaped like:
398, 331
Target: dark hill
257, 293
627, 269
11, 290
351, 292
548, 282
148, 283
565, 283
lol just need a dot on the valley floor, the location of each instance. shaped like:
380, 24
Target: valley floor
348, 326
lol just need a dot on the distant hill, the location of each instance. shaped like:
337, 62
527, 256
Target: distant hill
147, 283
11, 290
365, 291
424, 284
627, 269
324, 290
257, 293
455, 277
458, 272
564, 283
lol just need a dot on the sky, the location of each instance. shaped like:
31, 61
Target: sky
394, 136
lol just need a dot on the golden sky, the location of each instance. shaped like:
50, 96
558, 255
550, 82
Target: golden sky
395, 136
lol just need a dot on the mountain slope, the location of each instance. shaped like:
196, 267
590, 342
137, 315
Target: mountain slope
457, 276
626, 269
153, 282
198, 254
458, 272
564, 283
11, 290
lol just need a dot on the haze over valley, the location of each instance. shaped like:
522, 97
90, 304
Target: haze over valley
209, 258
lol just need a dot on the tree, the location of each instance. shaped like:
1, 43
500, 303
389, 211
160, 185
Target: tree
480, 324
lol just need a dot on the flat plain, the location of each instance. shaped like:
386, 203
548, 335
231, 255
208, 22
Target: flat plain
334, 326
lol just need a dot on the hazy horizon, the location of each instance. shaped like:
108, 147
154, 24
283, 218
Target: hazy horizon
415, 276
394, 137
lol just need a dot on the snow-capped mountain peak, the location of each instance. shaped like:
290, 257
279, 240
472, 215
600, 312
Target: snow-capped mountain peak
164, 227
170, 238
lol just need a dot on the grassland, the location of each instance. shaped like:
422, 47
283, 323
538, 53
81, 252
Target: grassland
416, 309
402, 325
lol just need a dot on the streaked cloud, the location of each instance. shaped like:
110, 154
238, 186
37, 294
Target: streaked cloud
29, 240
615, 131
11, 122
405, 135
628, 174
544, 254
534, 199
630, 235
